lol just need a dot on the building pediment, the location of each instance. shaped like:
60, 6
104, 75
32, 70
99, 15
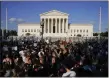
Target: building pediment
54, 13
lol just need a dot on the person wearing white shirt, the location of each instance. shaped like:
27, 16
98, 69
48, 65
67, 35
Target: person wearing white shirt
5, 48
15, 48
35, 44
69, 65
23, 56
69, 73
21, 53
39, 54
47, 41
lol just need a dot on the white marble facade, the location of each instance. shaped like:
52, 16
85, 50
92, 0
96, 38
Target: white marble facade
56, 25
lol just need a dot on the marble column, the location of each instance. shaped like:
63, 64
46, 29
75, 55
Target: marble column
44, 25
63, 25
42, 20
59, 25
51, 25
56, 25
66, 25
48, 25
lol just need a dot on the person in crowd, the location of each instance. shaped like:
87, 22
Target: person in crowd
68, 67
30, 57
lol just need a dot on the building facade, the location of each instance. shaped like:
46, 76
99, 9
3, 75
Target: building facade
56, 25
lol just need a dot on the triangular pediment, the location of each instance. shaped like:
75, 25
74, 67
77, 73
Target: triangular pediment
54, 13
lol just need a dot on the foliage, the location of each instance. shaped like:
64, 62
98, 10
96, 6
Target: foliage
103, 34
9, 32
95, 34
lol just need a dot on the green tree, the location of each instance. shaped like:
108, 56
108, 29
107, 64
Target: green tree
13, 32
104, 34
95, 34
9, 32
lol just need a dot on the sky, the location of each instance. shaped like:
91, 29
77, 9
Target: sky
80, 12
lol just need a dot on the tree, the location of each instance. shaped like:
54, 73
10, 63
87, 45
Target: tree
9, 32
104, 34
27, 34
78, 35
95, 34
13, 33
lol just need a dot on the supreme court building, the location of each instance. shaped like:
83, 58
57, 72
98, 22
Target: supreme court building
56, 25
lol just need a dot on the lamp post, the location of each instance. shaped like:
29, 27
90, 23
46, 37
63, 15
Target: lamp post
42, 26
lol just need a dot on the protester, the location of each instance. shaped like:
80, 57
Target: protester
35, 58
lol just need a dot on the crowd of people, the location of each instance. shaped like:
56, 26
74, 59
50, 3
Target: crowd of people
44, 58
